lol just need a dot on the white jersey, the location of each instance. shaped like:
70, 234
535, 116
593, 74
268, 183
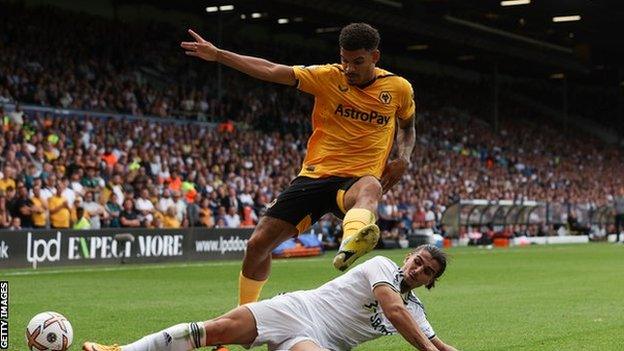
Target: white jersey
338, 315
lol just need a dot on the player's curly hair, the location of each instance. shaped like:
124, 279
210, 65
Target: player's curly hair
437, 254
358, 36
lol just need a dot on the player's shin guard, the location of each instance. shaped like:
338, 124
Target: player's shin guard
248, 289
181, 337
355, 219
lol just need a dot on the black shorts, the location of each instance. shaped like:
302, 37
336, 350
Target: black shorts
307, 199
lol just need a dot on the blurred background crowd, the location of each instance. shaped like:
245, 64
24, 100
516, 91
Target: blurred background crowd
218, 152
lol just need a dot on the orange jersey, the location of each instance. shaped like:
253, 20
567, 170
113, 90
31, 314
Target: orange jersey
352, 127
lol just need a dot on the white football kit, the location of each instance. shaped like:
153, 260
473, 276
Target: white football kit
338, 315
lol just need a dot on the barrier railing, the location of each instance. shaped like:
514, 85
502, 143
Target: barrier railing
506, 212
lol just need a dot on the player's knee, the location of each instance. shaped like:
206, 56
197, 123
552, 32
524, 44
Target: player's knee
371, 189
376, 188
257, 247
269, 233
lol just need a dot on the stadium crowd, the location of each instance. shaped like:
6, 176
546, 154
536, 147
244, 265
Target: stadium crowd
137, 172
83, 172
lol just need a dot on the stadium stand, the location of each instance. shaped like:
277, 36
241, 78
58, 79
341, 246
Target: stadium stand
167, 173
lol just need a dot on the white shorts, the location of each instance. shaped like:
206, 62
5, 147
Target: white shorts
284, 321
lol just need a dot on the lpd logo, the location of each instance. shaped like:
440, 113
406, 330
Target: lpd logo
41, 250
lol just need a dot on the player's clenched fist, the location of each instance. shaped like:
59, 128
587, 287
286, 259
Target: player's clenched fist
200, 47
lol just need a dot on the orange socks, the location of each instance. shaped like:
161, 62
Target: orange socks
248, 289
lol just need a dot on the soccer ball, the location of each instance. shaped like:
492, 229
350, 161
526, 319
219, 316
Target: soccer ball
49, 331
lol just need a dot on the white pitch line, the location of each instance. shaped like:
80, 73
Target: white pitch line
143, 267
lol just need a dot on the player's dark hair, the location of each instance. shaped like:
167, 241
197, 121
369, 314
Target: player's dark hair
358, 36
437, 254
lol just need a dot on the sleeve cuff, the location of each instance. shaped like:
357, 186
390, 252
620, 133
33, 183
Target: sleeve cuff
383, 282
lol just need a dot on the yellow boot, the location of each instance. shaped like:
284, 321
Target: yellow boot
360, 235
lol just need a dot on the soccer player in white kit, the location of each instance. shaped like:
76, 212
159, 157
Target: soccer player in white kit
373, 299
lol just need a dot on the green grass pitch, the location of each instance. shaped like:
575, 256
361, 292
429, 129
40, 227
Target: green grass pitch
559, 297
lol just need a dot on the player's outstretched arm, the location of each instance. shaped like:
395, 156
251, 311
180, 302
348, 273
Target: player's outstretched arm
392, 305
406, 139
253, 66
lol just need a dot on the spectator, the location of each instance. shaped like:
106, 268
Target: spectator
6, 178
129, 217
170, 220
91, 182
220, 217
95, 212
69, 193
73, 210
165, 201
5, 217
430, 219
206, 217
232, 219
17, 116
231, 200
83, 222
175, 181
145, 207
180, 206
24, 208
117, 188
49, 187
39, 208
221, 223
193, 211
249, 217
16, 224
75, 183
245, 197
113, 211
59, 209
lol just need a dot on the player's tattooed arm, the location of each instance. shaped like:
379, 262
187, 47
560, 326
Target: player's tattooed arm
253, 66
406, 139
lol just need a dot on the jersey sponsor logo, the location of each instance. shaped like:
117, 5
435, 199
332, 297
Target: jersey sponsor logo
372, 307
385, 97
378, 324
376, 318
370, 117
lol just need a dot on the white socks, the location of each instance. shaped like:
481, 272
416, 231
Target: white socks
181, 337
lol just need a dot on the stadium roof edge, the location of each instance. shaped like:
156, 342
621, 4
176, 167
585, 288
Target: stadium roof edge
527, 52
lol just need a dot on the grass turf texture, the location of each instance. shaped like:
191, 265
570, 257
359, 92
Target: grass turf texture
567, 297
